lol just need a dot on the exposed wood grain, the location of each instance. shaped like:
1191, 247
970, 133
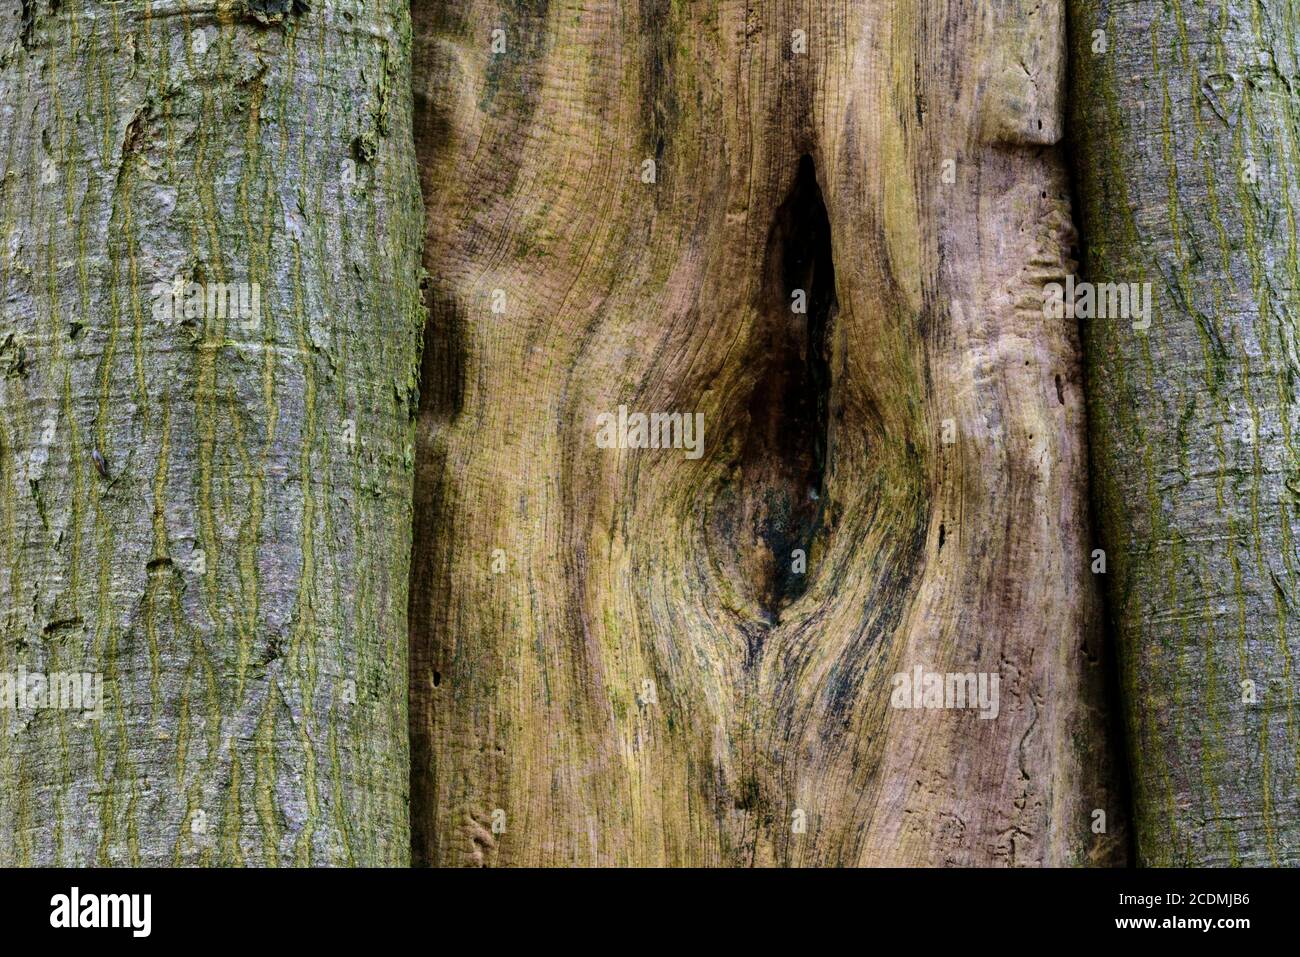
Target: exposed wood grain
644, 679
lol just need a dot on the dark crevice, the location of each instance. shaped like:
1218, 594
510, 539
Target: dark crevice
28, 15
780, 490
269, 12
440, 401
1118, 736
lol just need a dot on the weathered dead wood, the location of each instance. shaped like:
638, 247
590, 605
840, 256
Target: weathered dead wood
615, 656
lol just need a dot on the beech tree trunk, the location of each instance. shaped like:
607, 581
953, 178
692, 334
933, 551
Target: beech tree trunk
616, 656
211, 512
1185, 125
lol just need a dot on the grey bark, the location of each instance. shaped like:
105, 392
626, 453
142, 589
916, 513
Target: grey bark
1186, 127
211, 511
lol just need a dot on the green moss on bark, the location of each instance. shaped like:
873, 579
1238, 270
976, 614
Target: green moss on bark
239, 576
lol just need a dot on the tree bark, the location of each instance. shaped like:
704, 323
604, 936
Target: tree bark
1186, 123
211, 512
615, 656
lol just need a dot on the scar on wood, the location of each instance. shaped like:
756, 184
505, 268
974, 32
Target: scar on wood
775, 505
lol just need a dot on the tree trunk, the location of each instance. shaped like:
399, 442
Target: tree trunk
207, 506
1186, 125
618, 656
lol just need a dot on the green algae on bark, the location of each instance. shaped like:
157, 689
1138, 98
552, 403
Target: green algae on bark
210, 508
1185, 125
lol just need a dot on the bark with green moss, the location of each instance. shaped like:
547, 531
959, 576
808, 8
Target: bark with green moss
209, 508
1186, 127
